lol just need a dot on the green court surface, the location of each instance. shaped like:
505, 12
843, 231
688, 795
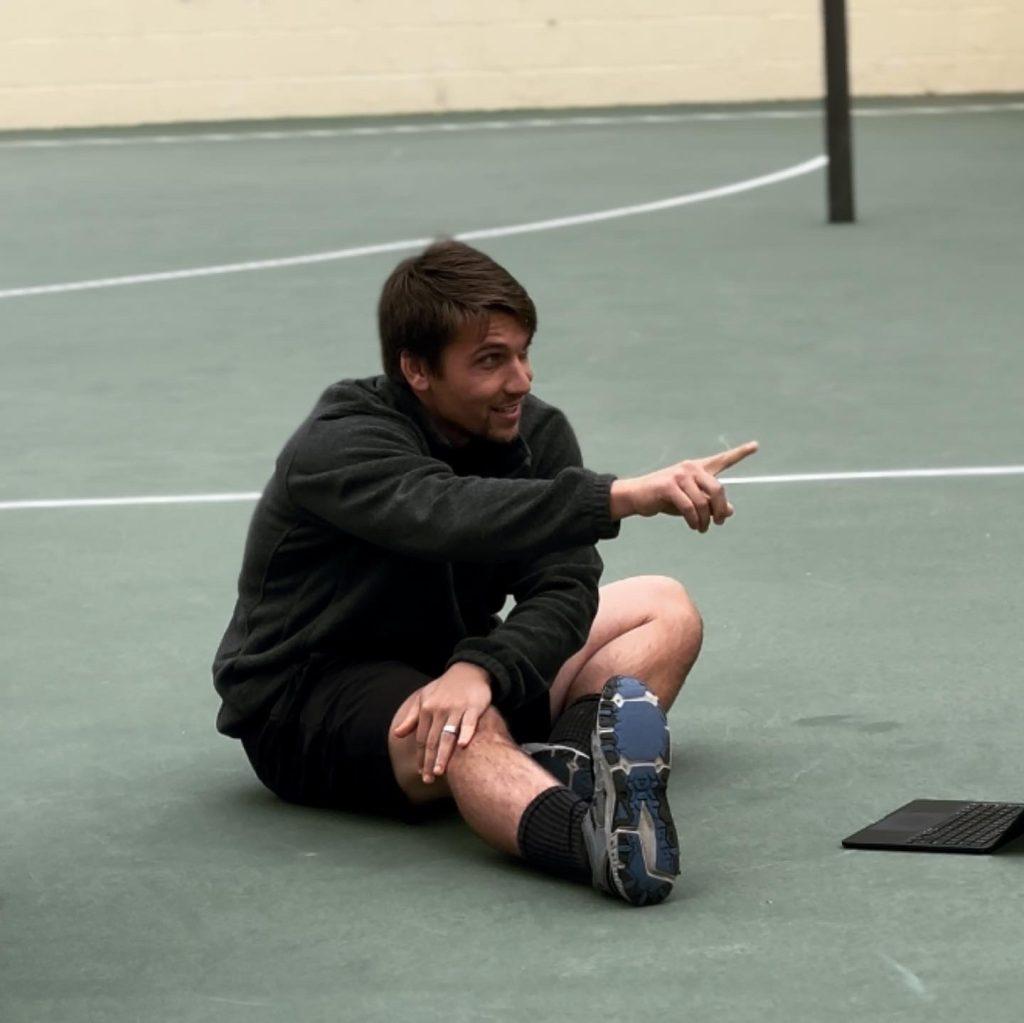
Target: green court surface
863, 637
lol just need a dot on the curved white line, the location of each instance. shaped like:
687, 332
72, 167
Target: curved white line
436, 127
819, 477
416, 243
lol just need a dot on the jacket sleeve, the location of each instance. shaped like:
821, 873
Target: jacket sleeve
556, 601
370, 478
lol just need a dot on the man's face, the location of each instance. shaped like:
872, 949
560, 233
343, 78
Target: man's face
480, 377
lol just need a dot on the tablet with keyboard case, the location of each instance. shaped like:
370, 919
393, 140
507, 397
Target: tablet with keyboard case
942, 825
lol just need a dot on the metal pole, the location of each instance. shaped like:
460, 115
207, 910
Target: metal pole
837, 107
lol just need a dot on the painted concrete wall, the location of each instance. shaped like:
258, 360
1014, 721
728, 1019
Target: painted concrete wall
69, 62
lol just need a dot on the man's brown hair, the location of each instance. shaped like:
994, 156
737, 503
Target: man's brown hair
429, 298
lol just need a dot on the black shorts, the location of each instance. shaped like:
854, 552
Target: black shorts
325, 742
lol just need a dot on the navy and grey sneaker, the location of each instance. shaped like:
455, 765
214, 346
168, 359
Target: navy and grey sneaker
569, 766
630, 836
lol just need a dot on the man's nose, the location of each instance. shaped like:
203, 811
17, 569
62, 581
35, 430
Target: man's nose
521, 382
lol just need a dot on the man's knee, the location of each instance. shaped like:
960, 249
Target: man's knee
491, 730
492, 726
674, 606
404, 754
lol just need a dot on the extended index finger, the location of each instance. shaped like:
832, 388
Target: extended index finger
724, 459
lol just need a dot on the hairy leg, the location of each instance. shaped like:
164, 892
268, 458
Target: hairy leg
646, 626
494, 781
491, 780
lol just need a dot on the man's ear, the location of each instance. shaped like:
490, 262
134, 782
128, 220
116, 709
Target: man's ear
414, 371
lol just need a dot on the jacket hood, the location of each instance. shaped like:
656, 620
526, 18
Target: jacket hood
381, 396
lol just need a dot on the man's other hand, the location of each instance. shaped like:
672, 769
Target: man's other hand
689, 488
456, 699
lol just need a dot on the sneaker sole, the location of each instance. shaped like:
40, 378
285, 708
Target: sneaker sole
566, 764
631, 754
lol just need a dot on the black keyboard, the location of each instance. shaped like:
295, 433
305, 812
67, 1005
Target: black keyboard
976, 826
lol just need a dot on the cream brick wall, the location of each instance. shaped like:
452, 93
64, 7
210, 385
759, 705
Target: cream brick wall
68, 62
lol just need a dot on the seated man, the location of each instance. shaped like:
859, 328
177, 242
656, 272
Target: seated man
365, 666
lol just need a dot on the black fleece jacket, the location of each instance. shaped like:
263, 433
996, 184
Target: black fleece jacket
377, 538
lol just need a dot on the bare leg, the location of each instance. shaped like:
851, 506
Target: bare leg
655, 652
646, 626
491, 780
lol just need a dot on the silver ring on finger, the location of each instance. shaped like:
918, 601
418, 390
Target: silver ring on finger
451, 729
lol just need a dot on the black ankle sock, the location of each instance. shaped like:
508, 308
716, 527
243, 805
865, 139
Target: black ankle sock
576, 724
551, 834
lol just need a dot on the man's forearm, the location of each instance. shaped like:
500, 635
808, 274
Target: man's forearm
415, 505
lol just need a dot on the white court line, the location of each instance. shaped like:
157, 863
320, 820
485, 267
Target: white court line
416, 243
123, 502
506, 124
882, 474
818, 477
